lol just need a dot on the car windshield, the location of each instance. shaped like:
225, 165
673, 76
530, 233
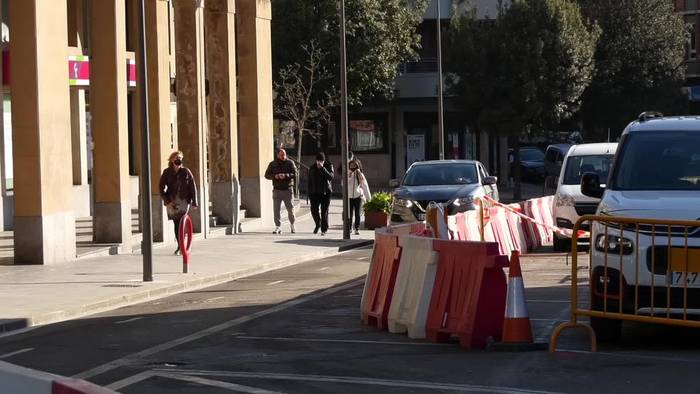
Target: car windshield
667, 160
531, 155
441, 174
576, 166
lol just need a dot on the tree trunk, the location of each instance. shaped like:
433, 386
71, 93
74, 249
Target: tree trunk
517, 191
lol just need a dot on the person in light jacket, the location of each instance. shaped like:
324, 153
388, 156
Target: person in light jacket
320, 177
358, 191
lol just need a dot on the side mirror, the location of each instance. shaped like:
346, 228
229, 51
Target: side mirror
394, 183
590, 185
490, 180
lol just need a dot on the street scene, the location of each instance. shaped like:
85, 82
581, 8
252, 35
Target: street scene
341, 196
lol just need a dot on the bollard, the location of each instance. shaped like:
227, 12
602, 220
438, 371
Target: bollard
185, 241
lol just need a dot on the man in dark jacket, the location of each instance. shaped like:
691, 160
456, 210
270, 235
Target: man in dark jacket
320, 177
282, 172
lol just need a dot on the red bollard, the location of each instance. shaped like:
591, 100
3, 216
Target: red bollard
185, 240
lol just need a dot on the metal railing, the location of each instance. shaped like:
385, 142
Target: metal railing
641, 270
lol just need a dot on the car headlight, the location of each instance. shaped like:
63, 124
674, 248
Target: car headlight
401, 202
613, 244
564, 200
463, 201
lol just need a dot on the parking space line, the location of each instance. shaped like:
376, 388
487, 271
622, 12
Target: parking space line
114, 364
217, 383
551, 301
632, 355
8, 355
412, 384
128, 320
139, 377
358, 341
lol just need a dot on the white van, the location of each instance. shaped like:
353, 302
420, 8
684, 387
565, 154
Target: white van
655, 176
569, 203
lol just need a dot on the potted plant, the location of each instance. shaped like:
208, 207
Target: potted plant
377, 210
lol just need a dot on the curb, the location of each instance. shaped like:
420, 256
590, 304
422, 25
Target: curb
193, 283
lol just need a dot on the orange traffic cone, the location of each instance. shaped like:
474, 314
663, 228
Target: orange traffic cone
517, 331
516, 326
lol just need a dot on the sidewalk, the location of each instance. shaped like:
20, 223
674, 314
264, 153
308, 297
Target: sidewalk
35, 295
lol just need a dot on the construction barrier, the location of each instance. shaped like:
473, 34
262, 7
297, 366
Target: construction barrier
379, 285
444, 277
469, 294
19, 380
641, 270
414, 286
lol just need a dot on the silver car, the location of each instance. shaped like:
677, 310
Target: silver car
456, 183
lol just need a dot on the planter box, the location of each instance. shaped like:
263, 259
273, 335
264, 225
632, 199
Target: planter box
376, 220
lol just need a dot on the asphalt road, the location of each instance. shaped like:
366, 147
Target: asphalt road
297, 330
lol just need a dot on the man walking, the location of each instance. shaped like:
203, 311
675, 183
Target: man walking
282, 172
320, 177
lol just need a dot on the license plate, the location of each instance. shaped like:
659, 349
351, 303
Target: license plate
681, 278
420, 217
685, 267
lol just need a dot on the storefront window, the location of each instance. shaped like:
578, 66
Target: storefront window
366, 135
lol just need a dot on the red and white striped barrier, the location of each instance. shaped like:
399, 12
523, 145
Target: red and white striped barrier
19, 380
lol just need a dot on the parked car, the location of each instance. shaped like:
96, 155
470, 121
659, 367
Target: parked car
456, 183
655, 175
554, 158
569, 203
531, 163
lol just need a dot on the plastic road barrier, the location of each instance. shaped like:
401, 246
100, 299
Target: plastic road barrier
414, 286
379, 286
19, 380
185, 240
436, 218
469, 294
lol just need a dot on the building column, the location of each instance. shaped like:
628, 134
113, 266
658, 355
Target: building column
44, 219
191, 108
108, 105
158, 74
255, 104
223, 132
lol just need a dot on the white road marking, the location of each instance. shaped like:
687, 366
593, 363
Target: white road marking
212, 330
547, 331
128, 320
8, 355
18, 332
341, 341
275, 282
324, 268
139, 377
412, 384
551, 301
627, 355
214, 299
217, 383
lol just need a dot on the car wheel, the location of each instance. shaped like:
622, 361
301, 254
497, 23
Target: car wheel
561, 245
606, 330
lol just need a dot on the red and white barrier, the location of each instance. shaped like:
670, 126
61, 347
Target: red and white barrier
19, 380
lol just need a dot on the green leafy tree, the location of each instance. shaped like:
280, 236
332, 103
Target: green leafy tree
640, 61
537, 64
298, 99
381, 35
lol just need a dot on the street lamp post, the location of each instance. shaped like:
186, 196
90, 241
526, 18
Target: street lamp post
441, 121
146, 203
344, 122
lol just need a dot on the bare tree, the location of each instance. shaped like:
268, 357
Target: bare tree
299, 99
